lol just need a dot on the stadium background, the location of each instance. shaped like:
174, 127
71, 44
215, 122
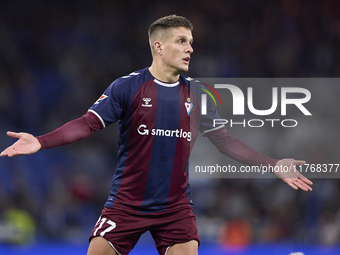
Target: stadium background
57, 57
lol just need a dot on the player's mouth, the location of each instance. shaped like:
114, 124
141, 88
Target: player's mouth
186, 60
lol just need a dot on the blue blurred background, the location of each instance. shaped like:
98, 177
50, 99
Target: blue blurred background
56, 59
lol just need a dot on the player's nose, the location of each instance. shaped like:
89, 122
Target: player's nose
189, 49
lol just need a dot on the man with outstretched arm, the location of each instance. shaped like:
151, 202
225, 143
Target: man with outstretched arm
150, 189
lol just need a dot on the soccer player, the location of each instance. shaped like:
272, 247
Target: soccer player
158, 113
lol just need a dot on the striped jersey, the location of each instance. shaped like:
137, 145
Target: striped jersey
158, 124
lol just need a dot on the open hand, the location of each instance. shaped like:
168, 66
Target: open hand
285, 169
27, 144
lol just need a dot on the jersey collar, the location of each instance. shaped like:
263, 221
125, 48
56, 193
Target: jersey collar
166, 84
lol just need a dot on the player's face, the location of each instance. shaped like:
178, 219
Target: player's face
177, 49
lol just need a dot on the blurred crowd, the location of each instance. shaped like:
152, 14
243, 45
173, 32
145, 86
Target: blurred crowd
56, 59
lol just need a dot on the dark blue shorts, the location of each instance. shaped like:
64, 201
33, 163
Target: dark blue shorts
123, 229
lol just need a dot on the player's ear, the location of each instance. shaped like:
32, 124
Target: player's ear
158, 46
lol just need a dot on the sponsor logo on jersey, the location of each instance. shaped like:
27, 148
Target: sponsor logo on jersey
180, 133
146, 102
101, 98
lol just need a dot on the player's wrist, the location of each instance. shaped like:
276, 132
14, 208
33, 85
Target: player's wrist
41, 142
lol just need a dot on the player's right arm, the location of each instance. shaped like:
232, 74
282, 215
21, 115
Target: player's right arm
71, 132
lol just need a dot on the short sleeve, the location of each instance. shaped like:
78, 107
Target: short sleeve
110, 106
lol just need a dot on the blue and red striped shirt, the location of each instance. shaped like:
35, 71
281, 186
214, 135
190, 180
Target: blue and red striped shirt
158, 124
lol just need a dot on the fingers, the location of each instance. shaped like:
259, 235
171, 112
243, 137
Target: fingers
306, 180
10, 151
302, 179
13, 134
292, 185
302, 185
296, 184
300, 182
299, 162
5, 153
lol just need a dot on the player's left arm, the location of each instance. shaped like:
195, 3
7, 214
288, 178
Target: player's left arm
234, 148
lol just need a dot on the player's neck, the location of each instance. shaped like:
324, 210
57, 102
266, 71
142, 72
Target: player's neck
162, 74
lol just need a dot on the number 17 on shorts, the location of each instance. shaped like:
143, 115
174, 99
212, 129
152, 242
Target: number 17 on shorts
112, 225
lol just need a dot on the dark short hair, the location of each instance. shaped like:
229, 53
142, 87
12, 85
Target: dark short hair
170, 21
